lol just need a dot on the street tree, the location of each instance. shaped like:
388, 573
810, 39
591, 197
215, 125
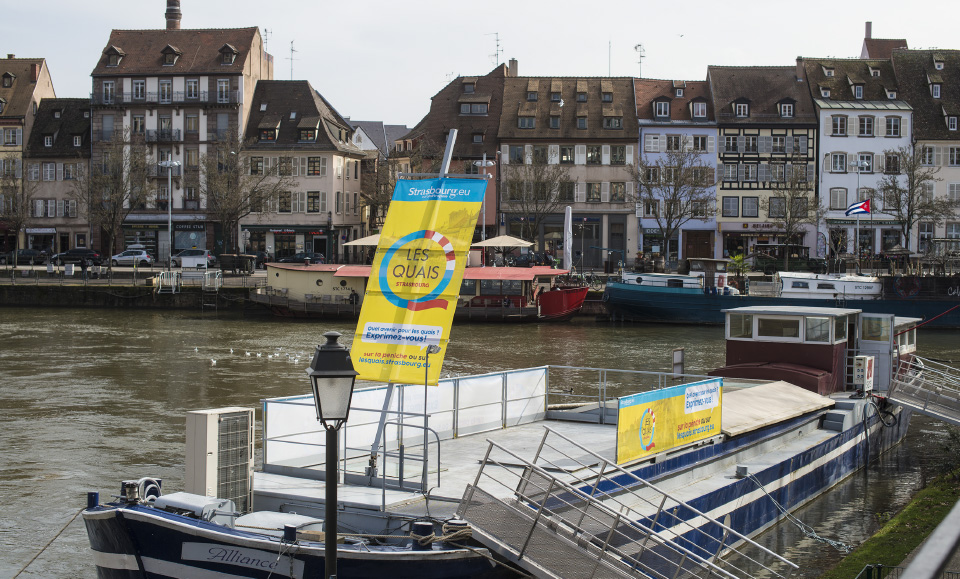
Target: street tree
16, 198
792, 205
906, 190
536, 188
236, 182
376, 188
679, 187
115, 185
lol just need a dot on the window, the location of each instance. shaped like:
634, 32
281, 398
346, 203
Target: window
926, 156
741, 326
593, 192
49, 171
469, 88
731, 207
268, 135
865, 161
662, 109
526, 122
613, 122
555, 97
531, 95
953, 192
33, 171
729, 172
308, 135
786, 110
891, 163
540, 154
838, 195
858, 91
750, 172
838, 162
953, 156
11, 136
935, 90
777, 172
593, 155
750, 144
313, 202
800, 145
866, 126
256, 165
193, 88
730, 144
893, 126
651, 208
674, 142
751, 206
108, 92
192, 158
891, 94
778, 207
8, 80
743, 110
925, 235
817, 329
618, 155
139, 90
618, 192
284, 202
825, 92
800, 207
839, 126
473, 108
478, 138
651, 143
169, 58
166, 91
69, 171
192, 124
516, 154
927, 190
699, 110
952, 123
223, 90
669, 174
285, 166
48, 140
566, 154
698, 175
651, 175
607, 97
581, 97
77, 140
778, 144
554, 122
581, 122
566, 192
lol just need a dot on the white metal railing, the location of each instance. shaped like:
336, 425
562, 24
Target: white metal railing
168, 282
928, 387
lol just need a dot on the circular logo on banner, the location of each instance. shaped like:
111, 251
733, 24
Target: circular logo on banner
417, 274
648, 423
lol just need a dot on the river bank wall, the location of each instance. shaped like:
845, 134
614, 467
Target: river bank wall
122, 297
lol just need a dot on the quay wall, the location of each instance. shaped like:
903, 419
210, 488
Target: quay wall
120, 297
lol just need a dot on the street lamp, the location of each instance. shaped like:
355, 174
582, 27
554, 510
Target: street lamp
169, 165
331, 378
483, 206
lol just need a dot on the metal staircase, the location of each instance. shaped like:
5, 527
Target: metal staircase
928, 387
570, 513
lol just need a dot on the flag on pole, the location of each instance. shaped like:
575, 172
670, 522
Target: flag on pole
859, 207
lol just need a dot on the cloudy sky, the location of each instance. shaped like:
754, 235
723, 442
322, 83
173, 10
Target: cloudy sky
383, 60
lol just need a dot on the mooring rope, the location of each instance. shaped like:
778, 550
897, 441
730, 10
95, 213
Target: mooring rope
50, 542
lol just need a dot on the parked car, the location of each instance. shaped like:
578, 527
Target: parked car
77, 254
177, 260
303, 256
24, 257
132, 257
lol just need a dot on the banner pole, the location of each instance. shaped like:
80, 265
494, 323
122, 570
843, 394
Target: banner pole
448, 153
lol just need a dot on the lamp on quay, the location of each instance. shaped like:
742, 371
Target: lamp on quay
331, 377
169, 165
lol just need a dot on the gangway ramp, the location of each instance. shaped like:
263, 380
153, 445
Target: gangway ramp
928, 387
598, 520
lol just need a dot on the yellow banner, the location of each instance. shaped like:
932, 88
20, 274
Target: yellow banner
651, 422
415, 280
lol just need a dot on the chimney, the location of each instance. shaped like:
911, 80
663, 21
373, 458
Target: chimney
512, 67
11, 55
34, 72
799, 69
173, 14
869, 31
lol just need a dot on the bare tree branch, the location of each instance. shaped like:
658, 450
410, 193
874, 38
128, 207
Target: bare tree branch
16, 198
792, 204
534, 190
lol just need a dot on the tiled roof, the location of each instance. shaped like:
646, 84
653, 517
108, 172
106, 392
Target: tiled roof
71, 123
445, 115
913, 68
382, 136
19, 96
846, 73
200, 51
283, 97
881, 47
764, 87
516, 103
648, 90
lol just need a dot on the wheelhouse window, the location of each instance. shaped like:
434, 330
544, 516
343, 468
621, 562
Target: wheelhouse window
740, 326
816, 329
778, 327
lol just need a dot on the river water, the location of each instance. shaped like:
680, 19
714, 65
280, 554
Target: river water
91, 397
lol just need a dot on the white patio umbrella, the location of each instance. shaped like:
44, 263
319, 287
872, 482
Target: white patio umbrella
373, 240
503, 241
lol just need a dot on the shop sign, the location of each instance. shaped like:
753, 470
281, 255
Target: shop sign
41, 230
864, 222
287, 231
143, 226
189, 227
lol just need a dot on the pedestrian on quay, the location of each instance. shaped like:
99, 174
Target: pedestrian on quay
83, 268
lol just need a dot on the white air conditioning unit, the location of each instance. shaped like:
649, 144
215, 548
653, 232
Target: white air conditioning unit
220, 455
863, 372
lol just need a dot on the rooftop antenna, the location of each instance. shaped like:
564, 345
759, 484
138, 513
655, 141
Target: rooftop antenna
641, 54
291, 58
498, 51
266, 38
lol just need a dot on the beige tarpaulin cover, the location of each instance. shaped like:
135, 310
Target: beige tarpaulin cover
758, 406
368, 240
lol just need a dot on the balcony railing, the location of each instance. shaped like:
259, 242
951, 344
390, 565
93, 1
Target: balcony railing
163, 135
191, 204
158, 171
167, 97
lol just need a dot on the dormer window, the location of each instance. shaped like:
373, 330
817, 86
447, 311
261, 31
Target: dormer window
170, 55
56, 114
581, 97
938, 62
8, 79
699, 110
786, 110
858, 91
613, 122
228, 54
607, 97
825, 92
293, 115
531, 96
951, 123
526, 122
935, 90
77, 140
875, 72
679, 92
308, 135
48, 140
114, 56
268, 135
891, 94
478, 138
3, 103
742, 110
469, 88
662, 108
263, 107
555, 97
827, 72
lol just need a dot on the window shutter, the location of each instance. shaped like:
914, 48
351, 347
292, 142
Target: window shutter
740, 172
38, 208
605, 192
580, 193
877, 162
18, 172
629, 154
19, 137
803, 145
580, 155
936, 155
851, 161
553, 154
647, 142
663, 143
505, 154
741, 143
629, 191
904, 127
605, 154
60, 172
73, 207
766, 144
810, 176
51, 207
687, 142
789, 148
528, 154
856, 127
59, 207
881, 126
764, 172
